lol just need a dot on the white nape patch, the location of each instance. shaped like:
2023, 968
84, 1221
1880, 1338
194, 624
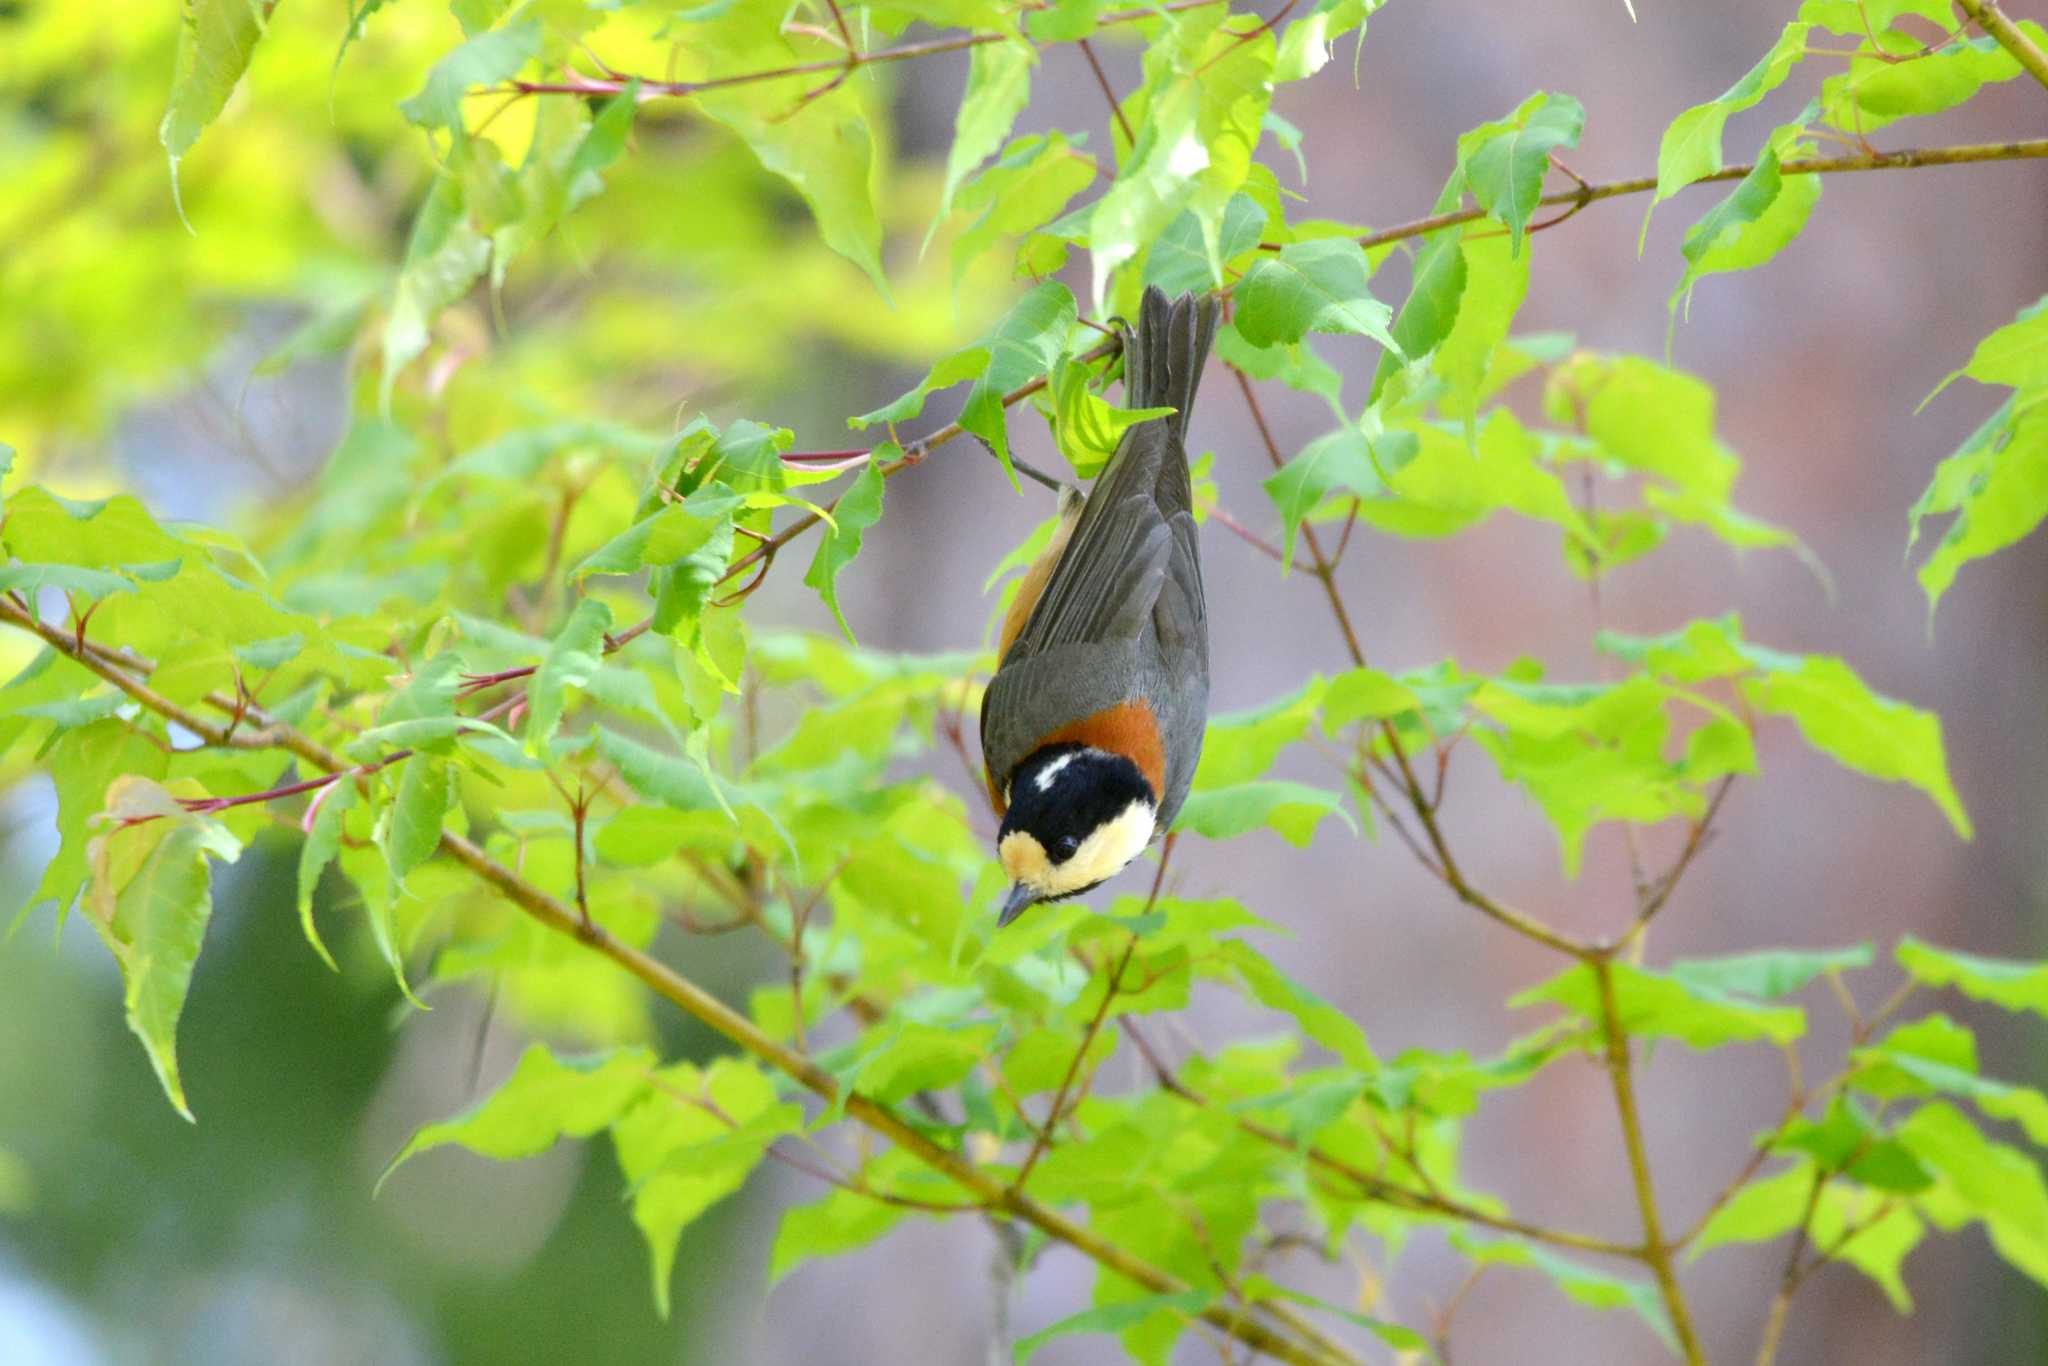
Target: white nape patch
1049, 775
1108, 849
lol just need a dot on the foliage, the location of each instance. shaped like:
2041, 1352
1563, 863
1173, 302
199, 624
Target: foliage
497, 663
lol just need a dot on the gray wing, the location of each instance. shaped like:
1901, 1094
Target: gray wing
1122, 614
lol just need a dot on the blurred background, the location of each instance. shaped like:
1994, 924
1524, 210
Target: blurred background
129, 1236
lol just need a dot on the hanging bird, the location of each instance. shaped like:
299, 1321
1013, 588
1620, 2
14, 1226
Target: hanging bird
1092, 725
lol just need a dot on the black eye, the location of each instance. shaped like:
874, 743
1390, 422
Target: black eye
1064, 847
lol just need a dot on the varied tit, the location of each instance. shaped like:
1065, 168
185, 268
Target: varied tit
1092, 725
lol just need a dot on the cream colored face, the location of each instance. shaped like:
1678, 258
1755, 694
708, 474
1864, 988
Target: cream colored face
1106, 851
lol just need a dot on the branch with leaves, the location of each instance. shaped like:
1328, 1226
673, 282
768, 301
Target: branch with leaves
496, 659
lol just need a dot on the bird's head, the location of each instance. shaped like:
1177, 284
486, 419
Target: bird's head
1077, 815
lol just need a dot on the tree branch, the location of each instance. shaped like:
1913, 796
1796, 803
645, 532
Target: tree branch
617, 83
1655, 1252
1907, 159
990, 1191
1992, 20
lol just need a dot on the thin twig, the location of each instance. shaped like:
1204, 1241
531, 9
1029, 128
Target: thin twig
664, 89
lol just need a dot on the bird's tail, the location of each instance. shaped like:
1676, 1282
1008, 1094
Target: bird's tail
1164, 357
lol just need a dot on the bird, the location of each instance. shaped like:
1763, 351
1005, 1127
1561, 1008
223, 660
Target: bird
1092, 725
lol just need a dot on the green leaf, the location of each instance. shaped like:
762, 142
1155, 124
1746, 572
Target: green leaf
1769, 974
842, 1222
1753, 224
31, 579
2016, 354
1435, 295
1863, 730
674, 533
825, 149
1652, 1004
1587, 755
1020, 347
1086, 427
1765, 1209
215, 41
150, 897
485, 59
1981, 1181
1028, 186
573, 659
1873, 92
1314, 286
1691, 148
322, 844
859, 508
682, 784
1241, 746
1348, 460
1469, 354
690, 1141
1116, 1317
83, 764
412, 825
2005, 982
1996, 484
1364, 694
2022, 1105
998, 88
1294, 810
1594, 1289
1178, 263
1318, 1019
1882, 1238
547, 1098
444, 257
1505, 171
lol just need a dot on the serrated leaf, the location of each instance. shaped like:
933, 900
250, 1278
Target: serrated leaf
546, 1099
1293, 810
1314, 286
1691, 147
1996, 484
1757, 220
1764, 1209
683, 784
2006, 982
1839, 715
215, 41
1768, 974
842, 1222
444, 257
573, 659
859, 508
150, 897
412, 829
1594, 1289
1981, 1181
1116, 1317
1665, 1006
485, 59
998, 88
1348, 460
1505, 171
690, 1141
322, 844
1319, 1020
